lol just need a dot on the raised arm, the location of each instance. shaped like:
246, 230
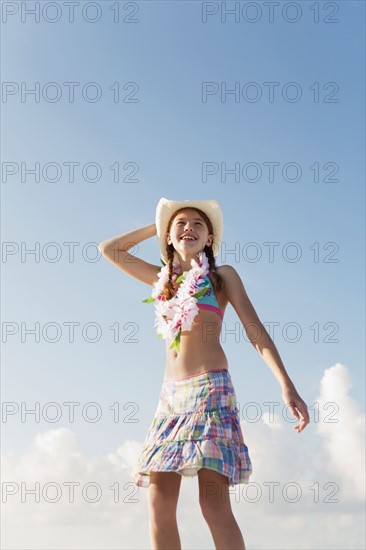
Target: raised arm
262, 342
115, 251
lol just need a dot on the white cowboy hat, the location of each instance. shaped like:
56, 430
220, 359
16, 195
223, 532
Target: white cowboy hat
166, 208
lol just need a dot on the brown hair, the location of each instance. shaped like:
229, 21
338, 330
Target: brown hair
168, 290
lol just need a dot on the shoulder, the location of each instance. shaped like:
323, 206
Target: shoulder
224, 268
227, 272
231, 280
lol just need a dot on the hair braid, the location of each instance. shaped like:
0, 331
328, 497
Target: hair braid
168, 290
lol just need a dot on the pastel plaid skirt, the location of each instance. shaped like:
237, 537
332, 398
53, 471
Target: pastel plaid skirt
196, 425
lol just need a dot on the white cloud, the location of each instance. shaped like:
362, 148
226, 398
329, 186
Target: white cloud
324, 453
344, 441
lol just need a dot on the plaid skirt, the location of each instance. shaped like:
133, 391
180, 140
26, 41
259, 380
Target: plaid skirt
196, 425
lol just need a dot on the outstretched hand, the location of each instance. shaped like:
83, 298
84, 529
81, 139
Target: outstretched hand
297, 406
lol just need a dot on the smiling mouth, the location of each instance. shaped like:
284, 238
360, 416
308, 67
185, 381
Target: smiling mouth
192, 239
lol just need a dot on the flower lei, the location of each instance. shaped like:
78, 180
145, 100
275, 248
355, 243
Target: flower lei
177, 314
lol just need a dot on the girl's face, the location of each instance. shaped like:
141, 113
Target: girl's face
189, 234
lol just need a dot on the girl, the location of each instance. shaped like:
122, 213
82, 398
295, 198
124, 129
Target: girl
196, 428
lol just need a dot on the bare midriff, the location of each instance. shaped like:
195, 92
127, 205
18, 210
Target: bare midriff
200, 348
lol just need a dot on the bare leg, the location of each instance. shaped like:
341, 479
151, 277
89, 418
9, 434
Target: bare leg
163, 493
216, 509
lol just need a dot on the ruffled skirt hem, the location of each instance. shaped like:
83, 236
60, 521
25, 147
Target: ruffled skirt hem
188, 457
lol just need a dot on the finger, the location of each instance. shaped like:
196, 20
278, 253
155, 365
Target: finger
302, 424
306, 415
293, 410
304, 411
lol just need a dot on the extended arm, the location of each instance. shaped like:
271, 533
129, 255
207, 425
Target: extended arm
262, 342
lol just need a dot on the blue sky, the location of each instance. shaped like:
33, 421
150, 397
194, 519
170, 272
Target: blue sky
168, 134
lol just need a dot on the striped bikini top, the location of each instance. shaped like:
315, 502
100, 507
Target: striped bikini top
209, 300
